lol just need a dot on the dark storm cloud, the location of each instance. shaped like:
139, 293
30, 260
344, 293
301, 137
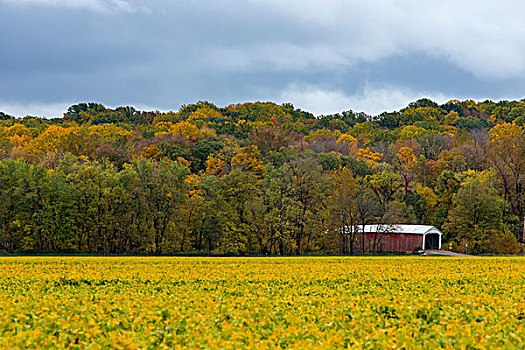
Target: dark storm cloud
323, 56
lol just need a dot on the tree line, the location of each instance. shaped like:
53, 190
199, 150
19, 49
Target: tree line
260, 178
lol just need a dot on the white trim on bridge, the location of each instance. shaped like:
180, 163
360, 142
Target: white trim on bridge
404, 229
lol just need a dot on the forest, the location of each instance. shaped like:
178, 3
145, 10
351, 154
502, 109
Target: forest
260, 178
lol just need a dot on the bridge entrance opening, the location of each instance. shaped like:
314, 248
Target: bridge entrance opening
432, 241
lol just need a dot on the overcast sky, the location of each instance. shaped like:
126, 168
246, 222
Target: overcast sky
323, 56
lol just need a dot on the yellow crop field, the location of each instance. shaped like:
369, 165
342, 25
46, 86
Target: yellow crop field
155, 303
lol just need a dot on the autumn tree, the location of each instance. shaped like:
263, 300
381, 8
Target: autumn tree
162, 187
304, 188
268, 139
476, 216
350, 209
506, 155
387, 189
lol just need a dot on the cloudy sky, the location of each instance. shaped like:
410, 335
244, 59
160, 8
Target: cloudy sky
324, 56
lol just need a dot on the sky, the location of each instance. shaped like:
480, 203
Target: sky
324, 56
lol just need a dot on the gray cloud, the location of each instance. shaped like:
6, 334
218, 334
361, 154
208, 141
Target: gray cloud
486, 39
373, 99
329, 55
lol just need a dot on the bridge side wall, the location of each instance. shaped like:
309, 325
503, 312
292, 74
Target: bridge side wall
390, 242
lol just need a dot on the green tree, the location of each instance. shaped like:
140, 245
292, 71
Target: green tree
305, 189
475, 217
163, 191
12, 204
343, 208
387, 188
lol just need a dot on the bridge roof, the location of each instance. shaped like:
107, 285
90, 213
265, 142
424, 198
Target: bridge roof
401, 229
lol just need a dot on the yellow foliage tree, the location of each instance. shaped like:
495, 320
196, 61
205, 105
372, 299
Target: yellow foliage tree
56, 140
216, 166
347, 138
505, 133
407, 157
366, 153
152, 152
204, 113
249, 160
451, 118
17, 136
183, 161
411, 132
431, 199
186, 129
193, 182
16, 133
163, 127
110, 134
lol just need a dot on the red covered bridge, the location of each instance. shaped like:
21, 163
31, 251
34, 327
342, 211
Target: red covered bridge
398, 238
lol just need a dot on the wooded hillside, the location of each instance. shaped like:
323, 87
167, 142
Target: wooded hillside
260, 178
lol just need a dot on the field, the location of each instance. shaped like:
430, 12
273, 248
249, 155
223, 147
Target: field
130, 303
